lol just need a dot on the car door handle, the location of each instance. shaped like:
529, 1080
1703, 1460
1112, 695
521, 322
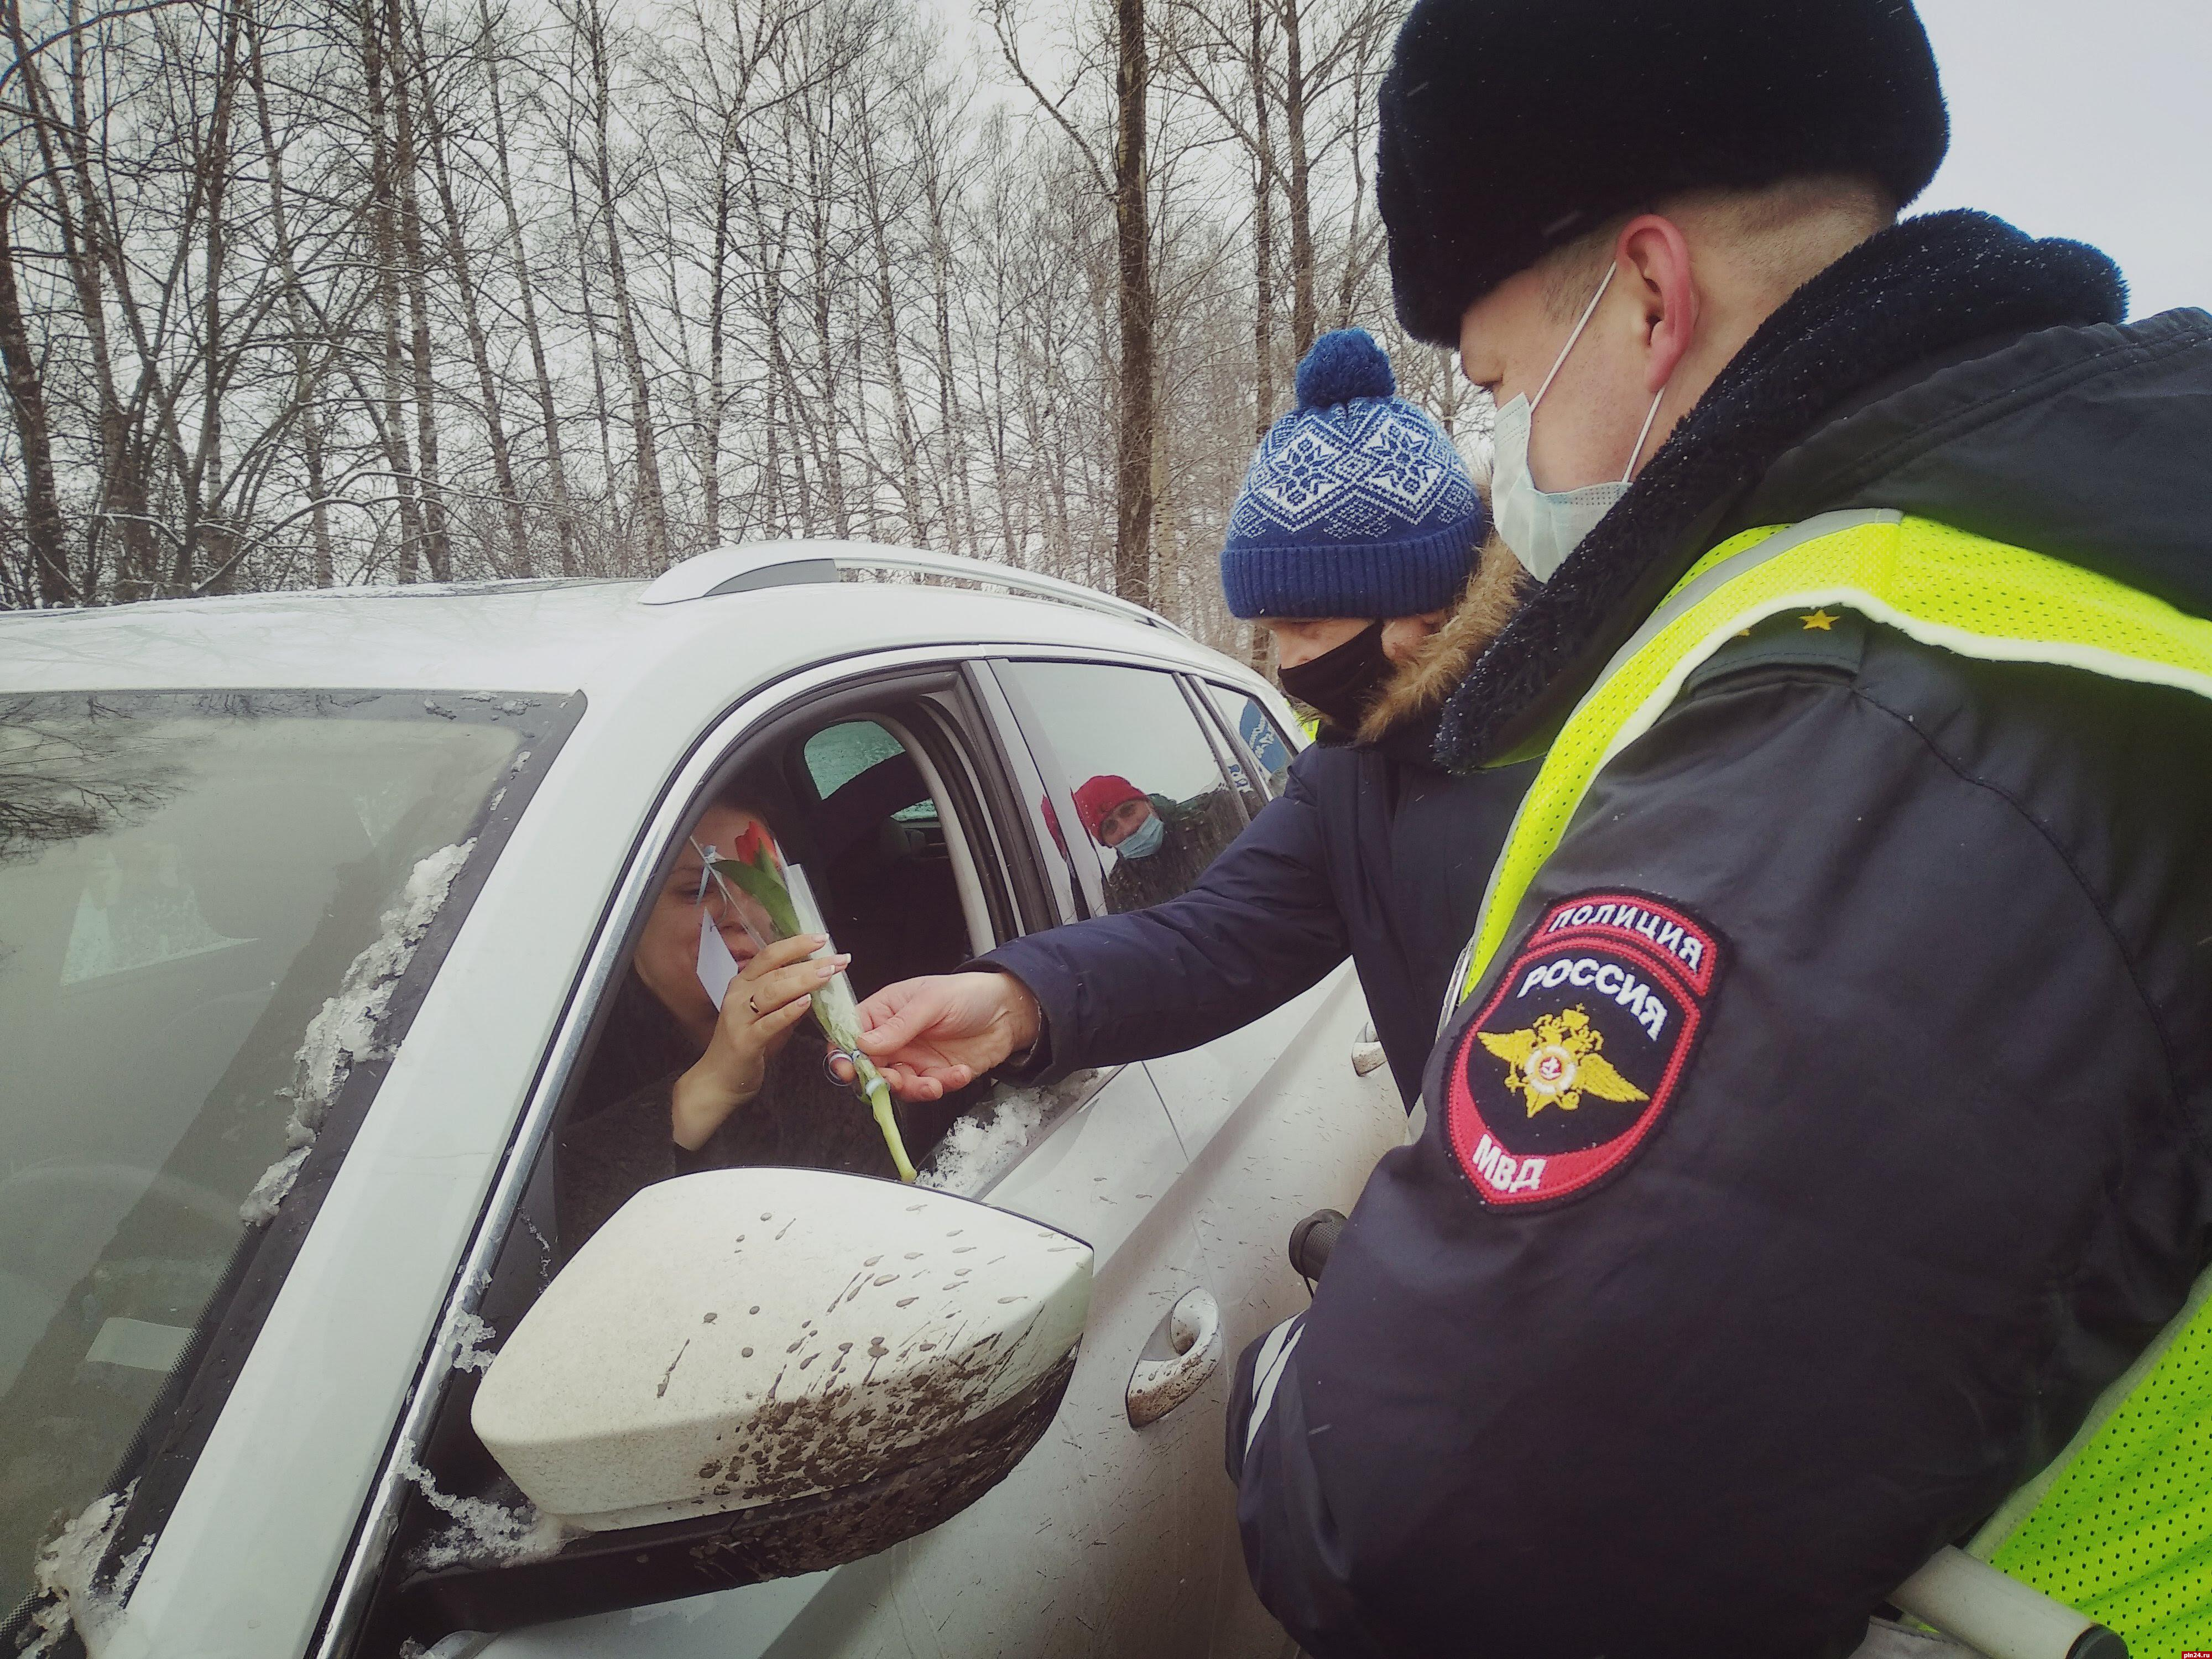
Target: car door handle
1367, 1053
1185, 1348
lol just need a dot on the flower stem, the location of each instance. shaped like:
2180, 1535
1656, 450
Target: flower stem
879, 1097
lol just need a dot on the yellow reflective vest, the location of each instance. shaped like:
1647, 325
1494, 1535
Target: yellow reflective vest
2119, 1526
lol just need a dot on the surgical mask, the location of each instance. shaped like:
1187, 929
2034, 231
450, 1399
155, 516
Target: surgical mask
1342, 681
1542, 526
1143, 840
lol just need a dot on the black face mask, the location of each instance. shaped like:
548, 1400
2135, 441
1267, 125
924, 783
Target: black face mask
1340, 683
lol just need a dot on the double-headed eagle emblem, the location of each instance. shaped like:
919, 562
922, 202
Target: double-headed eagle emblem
1559, 1059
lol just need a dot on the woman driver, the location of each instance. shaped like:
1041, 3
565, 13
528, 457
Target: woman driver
673, 1086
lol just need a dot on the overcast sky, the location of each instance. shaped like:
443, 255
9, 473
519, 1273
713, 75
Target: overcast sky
2088, 119
2085, 119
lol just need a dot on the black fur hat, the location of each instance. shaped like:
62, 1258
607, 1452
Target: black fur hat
1509, 127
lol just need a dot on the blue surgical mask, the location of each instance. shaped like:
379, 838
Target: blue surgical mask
1144, 840
1542, 526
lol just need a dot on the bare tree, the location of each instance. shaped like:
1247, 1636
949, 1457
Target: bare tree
42, 529
590, 28
298, 316
1125, 183
458, 267
294, 295
527, 305
1137, 306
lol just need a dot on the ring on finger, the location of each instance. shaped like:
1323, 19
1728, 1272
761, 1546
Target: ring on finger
753, 1003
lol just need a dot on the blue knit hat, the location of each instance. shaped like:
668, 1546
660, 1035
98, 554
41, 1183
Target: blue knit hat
1355, 505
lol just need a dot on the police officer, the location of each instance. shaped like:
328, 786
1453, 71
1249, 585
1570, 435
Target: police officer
1825, 1119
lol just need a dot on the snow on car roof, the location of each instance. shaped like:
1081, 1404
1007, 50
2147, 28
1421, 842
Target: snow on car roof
547, 636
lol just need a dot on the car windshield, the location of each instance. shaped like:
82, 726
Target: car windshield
206, 904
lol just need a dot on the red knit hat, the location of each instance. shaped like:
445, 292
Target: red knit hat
1095, 799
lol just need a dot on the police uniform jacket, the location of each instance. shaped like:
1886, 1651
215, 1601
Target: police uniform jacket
1921, 1156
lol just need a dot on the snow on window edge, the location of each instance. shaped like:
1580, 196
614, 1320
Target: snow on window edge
66, 1574
349, 1025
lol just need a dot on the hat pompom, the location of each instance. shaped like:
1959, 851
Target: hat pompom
1342, 366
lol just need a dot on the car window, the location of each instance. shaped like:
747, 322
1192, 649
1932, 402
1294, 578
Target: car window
862, 854
206, 907
1248, 717
1228, 751
838, 753
1144, 786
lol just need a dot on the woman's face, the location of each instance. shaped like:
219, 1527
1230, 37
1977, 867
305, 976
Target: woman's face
667, 956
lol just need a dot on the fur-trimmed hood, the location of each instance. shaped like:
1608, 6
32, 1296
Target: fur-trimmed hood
1403, 715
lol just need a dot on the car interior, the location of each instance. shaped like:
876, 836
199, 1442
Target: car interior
875, 842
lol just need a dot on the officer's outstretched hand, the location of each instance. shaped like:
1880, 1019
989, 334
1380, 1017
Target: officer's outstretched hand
929, 1037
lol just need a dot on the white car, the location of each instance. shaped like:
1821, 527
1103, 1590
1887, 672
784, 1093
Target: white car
315, 911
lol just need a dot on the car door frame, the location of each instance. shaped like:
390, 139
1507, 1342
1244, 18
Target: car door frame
349, 1598
995, 776
1231, 740
1018, 718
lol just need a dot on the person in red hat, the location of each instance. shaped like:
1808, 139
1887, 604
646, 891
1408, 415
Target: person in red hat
1112, 808
1158, 853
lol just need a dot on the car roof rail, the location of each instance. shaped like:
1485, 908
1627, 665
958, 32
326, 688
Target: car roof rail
750, 566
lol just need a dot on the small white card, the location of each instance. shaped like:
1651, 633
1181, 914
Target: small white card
717, 967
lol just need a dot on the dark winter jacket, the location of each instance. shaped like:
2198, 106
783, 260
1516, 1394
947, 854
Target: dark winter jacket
1938, 1160
617, 1136
1372, 851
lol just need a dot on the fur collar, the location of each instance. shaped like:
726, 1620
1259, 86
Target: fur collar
1919, 289
1419, 689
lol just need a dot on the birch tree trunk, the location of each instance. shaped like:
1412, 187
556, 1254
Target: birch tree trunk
952, 458
384, 252
465, 293
872, 196
208, 526
820, 413
437, 547
580, 234
718, 305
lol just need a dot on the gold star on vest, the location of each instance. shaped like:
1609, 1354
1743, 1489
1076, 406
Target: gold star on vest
1820, 619
1557, 1061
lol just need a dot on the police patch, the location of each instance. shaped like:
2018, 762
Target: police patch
1574, 1056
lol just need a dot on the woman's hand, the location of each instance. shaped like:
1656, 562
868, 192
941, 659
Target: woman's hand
765, 1001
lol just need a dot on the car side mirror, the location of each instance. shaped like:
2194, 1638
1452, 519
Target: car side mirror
780, 1370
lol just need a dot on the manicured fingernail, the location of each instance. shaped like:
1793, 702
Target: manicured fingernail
843, 961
